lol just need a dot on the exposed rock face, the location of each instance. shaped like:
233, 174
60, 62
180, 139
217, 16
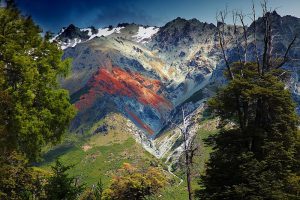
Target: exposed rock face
124, 87
145, 73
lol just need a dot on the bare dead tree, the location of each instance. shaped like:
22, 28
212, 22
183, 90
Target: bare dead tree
188, 160
267, 37
190, 148
255, 37
221, 16
245, 35
235, 32
268, 42
286, 58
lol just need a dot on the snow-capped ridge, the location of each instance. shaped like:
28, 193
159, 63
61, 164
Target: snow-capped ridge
72, 35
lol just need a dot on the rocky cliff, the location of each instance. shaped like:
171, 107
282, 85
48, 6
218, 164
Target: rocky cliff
148, 73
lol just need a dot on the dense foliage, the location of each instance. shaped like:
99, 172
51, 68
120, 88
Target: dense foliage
133, 184
17, 180
93, 193
255, 152
34, 111
60, 185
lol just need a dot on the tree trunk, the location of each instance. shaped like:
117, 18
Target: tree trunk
187, 157
188, 175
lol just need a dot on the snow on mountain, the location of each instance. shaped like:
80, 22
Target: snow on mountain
70, 43
145, 33
147, 73
106, 32
89, 30
71, 36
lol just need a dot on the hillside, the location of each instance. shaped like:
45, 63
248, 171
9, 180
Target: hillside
131, 82
100, 153
145, 73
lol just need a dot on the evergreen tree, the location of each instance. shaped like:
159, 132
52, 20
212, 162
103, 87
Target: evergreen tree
98, 190
34, 111
253, 158
60, 185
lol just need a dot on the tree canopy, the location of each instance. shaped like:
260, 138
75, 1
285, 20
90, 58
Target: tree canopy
253, 158
34, 111
60, 185
134, 184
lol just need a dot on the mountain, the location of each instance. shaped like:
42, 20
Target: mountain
147, 74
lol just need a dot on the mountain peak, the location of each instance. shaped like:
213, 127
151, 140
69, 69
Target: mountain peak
71, 27
274, 13
72, 32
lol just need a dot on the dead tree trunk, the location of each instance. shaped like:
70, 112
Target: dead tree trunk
221, 16
187, 155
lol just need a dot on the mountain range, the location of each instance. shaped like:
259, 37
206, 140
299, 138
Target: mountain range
149, 74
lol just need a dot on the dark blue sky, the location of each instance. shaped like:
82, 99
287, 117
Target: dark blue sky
54, 14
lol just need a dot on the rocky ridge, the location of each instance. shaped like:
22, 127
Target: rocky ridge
148, 73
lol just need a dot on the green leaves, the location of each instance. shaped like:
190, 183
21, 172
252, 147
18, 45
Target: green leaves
60, 185
35, 110
17, 180
255, 153
131, 183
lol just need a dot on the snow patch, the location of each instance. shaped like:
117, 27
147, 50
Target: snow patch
70, 43
87, 29
144, 34
106, 32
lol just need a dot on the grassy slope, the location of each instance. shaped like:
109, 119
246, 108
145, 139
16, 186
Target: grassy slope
99, 156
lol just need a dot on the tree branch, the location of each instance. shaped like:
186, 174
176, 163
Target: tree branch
285, 58
221, 16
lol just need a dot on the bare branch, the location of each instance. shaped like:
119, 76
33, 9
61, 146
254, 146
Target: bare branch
234, 19
285, 58
255, 39
221, 16
245, 35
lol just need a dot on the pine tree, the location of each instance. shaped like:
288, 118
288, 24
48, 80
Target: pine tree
98, 190
60, 185
34, 111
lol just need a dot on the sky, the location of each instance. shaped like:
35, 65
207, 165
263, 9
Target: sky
52, 15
